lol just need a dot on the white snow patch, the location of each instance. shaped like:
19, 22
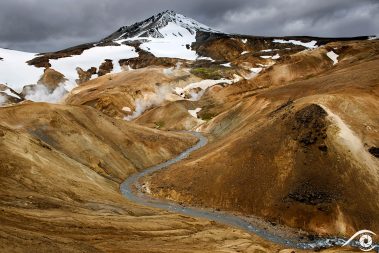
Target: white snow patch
254, 73
228, 65
10, 93
267, 50
333, 56
310, 45
245, 52
256, 70
244, 41
126, 109
205, 58
92, 57
15, 72
171, 46
373, 37
193, 113
203, 85
275, 57
190, 23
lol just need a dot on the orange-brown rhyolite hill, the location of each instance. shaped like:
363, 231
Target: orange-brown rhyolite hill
112, 93
59, 187
293, 148
60, 171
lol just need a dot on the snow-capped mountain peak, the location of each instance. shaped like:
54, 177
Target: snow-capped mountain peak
151, 27
167, 34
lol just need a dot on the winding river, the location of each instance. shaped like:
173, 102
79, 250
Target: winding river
138, 197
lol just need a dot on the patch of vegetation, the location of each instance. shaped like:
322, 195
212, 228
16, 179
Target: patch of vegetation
159, 124
206, 116
207, 73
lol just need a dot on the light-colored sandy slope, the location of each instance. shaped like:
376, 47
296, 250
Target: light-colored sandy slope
277, 154
352, 143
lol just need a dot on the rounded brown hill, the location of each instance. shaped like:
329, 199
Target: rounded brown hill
288, 171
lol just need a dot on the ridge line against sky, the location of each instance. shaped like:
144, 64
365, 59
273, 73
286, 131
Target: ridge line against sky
42, 25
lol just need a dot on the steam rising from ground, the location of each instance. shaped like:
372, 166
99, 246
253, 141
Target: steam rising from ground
171, 71
2, 100
149, 100
40, 93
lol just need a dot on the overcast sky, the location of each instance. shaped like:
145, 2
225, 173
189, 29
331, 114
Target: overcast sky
49, 25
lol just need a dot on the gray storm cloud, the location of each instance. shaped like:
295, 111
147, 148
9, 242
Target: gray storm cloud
42, 25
